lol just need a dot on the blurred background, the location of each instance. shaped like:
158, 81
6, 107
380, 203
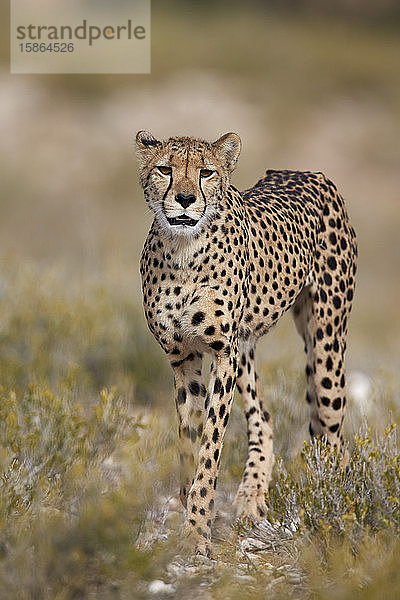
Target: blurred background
88, 482
308, 85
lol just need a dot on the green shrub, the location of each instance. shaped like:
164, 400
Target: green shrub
70, 509
322, 495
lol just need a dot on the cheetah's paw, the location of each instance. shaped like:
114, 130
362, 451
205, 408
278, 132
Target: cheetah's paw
195, 543
250, 504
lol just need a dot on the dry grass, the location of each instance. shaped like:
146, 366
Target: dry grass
89, 507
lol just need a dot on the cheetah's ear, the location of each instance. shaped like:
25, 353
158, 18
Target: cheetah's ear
145, 144
228, 148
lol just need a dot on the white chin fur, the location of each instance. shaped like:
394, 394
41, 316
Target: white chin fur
184, 231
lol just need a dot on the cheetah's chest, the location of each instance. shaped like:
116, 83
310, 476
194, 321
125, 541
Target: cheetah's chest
181, 313
190, 307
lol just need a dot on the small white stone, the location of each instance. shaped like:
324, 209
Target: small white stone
160, 587
251, 544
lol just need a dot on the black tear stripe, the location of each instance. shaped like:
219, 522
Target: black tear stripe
166, 194
203, 195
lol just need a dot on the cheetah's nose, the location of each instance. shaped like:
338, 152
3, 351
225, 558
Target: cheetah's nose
185, 200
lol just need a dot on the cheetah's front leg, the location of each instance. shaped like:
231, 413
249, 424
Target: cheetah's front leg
190, 393
250, 498
201, 498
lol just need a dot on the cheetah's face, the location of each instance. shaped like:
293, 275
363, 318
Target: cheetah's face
185, 178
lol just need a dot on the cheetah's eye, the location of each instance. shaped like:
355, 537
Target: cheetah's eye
165, 170
206, 173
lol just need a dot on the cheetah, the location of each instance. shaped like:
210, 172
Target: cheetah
219, 268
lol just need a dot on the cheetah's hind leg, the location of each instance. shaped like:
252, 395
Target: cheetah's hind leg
324, 329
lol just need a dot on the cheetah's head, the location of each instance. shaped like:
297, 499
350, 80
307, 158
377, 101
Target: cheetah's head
185, 178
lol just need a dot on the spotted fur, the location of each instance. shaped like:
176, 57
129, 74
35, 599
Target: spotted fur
219, 268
